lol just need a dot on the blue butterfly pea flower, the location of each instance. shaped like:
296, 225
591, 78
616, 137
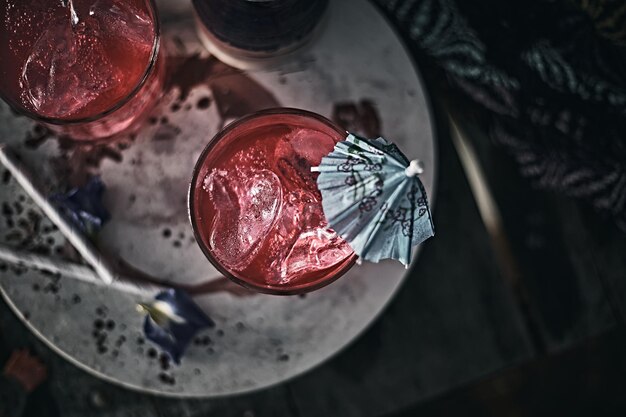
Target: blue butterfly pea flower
172, 321
83, 206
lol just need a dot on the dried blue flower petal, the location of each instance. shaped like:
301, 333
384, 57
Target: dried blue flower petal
83, 206
172, 321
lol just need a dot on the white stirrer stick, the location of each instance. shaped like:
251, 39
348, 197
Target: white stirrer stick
72, 270
104, 270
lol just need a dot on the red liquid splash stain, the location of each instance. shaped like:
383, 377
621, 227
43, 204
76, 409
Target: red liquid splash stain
235, 94
213, 285
360, 118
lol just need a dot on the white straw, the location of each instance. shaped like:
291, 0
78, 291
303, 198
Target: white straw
75, 237
72, 270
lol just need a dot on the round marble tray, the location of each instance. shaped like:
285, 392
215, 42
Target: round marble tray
356, 72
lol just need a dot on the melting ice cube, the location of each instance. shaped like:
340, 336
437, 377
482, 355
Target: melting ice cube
316, 250
283, 235
297, 152
246, 208
122, 20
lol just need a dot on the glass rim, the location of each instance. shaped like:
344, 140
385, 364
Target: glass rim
267, 288
156, 47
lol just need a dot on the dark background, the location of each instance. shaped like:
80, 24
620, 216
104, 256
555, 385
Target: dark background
464, 336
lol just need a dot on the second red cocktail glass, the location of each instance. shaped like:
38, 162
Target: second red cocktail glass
86, 68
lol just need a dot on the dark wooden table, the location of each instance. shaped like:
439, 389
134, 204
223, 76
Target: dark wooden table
457, 320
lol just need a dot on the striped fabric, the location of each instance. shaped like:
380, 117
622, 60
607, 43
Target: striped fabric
551, 77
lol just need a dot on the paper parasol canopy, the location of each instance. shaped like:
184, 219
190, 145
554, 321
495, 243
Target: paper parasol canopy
372, 197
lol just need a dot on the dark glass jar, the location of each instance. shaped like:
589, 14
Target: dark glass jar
249, 33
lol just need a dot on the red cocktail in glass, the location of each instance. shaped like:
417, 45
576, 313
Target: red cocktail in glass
255, 207
86, 68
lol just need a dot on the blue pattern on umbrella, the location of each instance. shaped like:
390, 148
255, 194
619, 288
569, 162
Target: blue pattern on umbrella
172, 321
83, 206
373, 198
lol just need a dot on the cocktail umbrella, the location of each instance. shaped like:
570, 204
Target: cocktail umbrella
373, 198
